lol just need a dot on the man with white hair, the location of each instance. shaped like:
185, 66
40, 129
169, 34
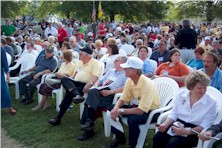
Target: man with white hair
75, 46
62, 33
50, 31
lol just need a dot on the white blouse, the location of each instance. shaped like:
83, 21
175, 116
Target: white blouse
202, 113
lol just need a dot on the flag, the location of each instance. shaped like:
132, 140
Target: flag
94, 12
100, 12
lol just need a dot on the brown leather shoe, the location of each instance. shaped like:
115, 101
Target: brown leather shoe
12, 111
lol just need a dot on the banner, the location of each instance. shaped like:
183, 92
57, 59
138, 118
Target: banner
100, 12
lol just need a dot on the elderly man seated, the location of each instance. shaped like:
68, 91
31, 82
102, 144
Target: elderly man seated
46, 64
86, 73
143, 92
102, 96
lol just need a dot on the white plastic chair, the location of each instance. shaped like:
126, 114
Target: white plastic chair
217, 95
19, 48
167, 89
26, 62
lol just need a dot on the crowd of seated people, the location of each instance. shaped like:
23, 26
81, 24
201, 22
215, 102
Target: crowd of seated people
171, 56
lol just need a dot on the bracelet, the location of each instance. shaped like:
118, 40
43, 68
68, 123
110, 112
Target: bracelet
112, 91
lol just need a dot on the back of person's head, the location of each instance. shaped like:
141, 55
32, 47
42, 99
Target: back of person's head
98, 43
3, 41
186, 24
67, 54
66, 44
8, 39
114, 48
111, 41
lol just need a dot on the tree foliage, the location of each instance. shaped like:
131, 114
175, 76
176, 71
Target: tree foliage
11, 9
133, 11
203, 9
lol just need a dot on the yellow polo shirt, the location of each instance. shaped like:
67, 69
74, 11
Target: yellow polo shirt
145, 92
67, 68
85, 71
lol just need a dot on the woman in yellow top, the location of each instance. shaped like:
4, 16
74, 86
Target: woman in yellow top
66, 69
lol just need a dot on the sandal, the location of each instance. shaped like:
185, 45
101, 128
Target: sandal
12, 111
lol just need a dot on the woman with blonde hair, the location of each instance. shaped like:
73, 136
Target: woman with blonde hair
66, 69
193, 109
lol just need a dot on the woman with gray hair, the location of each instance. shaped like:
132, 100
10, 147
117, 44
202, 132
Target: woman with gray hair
193, 109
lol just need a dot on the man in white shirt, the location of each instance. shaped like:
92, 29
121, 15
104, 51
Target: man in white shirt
50, 30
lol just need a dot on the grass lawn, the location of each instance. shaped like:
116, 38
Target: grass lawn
32, 129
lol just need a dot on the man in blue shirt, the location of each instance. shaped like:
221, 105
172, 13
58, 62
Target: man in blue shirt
102, 96
160, 55
46, 64
211, 61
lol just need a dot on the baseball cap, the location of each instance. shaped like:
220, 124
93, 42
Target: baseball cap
87, 49
49, 49
207, 38
133, 62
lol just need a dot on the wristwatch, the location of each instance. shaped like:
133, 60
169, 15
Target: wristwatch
121, 110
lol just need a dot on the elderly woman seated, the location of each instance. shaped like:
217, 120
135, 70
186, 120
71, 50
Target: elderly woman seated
174, 68
66, 69
193, 109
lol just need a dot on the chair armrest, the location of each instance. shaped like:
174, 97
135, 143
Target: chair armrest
159, 110
116, 97
163, 117
43, 78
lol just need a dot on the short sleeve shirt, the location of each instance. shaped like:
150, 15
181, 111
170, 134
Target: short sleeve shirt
85, 71
145, 91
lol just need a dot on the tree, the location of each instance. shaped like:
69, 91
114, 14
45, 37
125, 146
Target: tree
11, 9
205, 9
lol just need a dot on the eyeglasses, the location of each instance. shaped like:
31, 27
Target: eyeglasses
160, 44
117, 61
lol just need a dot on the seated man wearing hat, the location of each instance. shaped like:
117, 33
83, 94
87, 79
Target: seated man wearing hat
86, 73
143, 92
45, 64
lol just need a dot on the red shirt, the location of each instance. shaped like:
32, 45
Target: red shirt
62, 33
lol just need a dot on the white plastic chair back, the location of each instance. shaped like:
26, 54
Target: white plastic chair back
9, 58
150, 51
19, 49
167, 89
128, 49
217, 95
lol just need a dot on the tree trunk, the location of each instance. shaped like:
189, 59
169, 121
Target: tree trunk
209, 14
112, 16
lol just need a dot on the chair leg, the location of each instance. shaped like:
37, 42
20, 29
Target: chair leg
58, 100
107, 126
16, 90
